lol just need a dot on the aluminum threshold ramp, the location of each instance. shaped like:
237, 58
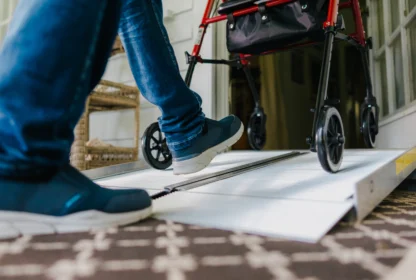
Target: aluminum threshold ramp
277, 194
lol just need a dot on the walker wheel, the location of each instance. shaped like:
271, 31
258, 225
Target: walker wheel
154, 148
256, 130
330, 140
369, 128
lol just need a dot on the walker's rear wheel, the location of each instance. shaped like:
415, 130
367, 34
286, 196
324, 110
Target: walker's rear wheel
330, 139
256, 131
369, 128
154, 148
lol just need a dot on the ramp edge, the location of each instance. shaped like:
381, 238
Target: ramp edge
374, 188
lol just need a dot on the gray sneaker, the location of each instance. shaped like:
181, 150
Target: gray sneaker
216, 137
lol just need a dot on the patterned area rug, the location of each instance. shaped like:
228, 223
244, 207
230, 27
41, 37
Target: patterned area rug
163, 250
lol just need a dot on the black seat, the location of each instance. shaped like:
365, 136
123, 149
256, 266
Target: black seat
234, 5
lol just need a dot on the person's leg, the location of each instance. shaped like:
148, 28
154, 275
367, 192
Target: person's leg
156, 72
192, 139
53, 55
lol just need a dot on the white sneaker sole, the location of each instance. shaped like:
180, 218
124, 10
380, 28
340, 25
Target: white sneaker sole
198, 163
15, 224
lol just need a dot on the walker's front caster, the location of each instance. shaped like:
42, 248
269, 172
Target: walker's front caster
330, 139
369, 127
256, 129
154, 148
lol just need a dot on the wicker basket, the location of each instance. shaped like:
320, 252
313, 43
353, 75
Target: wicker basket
107, 96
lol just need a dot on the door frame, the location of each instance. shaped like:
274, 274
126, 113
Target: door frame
221, 79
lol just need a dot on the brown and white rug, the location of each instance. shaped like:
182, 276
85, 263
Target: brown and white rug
164, 250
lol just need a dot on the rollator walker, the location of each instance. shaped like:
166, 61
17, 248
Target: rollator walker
264, 27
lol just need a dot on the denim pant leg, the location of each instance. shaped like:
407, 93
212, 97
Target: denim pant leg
46, 73
156, 71
158, 9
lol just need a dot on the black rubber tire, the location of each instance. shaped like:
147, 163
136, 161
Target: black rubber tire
255, 133
368, 128
330, 139
155, 150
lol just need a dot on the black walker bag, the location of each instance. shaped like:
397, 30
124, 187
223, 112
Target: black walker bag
275, 27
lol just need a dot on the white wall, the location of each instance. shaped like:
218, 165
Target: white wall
182, 19
399, 131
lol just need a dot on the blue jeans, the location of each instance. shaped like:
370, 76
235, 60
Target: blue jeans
55, 53
156, 71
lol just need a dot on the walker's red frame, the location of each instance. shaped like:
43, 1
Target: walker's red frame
334, 6
330, 28
319, 140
